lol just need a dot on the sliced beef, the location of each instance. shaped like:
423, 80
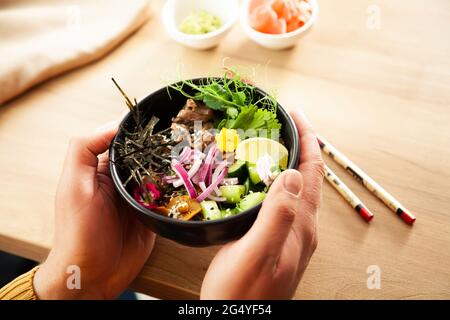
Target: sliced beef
202, 138
193, 111
180, 132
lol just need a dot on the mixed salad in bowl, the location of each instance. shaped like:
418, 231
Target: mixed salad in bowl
217, 157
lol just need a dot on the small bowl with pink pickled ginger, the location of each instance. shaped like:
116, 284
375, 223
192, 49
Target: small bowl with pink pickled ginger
278, 24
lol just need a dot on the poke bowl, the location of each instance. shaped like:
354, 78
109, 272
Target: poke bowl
195, 159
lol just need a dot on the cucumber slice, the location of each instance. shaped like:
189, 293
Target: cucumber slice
253, 174
247, 185
210, 210
251, 200
276, 170
237, 170
228, 212
259, 187
233, 193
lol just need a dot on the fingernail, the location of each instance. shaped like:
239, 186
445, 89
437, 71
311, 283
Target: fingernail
107, 126
293, 182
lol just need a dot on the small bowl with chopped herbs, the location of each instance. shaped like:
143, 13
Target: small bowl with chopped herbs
199, 24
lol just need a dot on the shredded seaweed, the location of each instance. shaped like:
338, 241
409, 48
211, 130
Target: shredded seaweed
143, 153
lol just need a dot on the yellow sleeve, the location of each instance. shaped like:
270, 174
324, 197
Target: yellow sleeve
20, 288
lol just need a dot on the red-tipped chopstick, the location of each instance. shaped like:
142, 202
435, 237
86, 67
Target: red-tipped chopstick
347, 194
367, 181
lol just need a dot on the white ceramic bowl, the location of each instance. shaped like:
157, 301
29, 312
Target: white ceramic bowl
276, 41
175, 11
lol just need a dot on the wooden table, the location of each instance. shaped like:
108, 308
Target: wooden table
381, 96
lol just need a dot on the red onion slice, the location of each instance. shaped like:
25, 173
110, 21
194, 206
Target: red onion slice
170, 179
217, 191
219, 168
195, 166
184, 155
217, 198
208, 162
211, 187
198, 154
181, 172
230, 181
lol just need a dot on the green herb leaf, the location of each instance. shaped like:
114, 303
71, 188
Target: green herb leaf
264, 119
216, 97
239, 98
213, 102
232, 112
243, 119
222, 123
256, 119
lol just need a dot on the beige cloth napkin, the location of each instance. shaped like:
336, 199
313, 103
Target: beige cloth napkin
42, 38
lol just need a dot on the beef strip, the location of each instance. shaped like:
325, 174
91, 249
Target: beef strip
193, 111
180, 132
183, 124
202, 139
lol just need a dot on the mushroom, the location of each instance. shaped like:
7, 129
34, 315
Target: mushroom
181, 207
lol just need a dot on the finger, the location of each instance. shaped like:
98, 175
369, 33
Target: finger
279, 210
103, 159
82, 157
103, 164
311, 164
309, 147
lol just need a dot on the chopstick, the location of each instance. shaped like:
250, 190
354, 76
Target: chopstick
347, 194
367, 181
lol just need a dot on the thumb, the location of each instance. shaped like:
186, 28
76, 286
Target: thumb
278, 213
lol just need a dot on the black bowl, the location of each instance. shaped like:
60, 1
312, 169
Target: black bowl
165, 104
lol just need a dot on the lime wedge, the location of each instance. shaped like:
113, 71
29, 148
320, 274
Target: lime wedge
252, 149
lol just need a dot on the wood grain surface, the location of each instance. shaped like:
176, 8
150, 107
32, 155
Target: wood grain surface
381, 96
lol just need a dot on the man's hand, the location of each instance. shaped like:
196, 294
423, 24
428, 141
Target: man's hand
269, 261
95, 229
